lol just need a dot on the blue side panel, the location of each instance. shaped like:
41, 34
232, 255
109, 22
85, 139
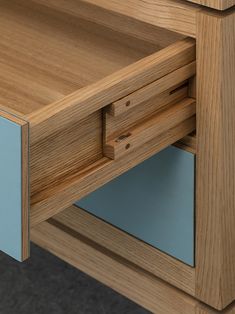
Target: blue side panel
10, 189
153, 202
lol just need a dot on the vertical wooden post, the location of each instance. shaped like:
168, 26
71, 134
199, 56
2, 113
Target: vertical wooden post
215, 198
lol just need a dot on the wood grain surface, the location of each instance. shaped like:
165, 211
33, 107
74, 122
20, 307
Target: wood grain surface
215, 197
83, 102
215, 4
58, 196
169, 81
116, 125
176, 15
46, 54
113, 270
111, 19
136, 251
148, 129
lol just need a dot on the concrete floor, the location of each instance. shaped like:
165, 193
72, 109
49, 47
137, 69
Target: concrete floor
47, 285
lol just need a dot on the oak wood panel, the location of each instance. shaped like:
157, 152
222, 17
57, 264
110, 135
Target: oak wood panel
176, 15
111, 270
149, 129
116, 125
25, 206
80, 104
116, 272
57, 197
215, 196
130, 248
46, 54
124, 24
66, 152
166, 82
215, 4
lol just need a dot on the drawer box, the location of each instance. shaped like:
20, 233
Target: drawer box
61, 75
154, 202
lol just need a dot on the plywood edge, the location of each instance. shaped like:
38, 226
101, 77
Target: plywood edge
24, 206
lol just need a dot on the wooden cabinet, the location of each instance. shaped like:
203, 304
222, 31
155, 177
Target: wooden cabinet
90, 92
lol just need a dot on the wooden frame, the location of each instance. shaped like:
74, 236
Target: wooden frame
78, 247
215, 198
119, 242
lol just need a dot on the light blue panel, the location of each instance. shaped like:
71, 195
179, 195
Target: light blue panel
153, 202
10, 189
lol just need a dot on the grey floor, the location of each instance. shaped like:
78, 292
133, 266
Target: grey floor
47, 285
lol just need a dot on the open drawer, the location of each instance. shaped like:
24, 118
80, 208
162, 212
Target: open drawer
81, 103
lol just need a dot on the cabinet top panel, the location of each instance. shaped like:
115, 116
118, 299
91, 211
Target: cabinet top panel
215, 4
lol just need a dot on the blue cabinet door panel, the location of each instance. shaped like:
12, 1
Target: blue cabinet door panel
154, 202
11, 202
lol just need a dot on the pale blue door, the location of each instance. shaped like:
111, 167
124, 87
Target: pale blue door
153, 202
12, 217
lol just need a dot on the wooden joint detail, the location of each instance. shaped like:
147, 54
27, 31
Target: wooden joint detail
149, 129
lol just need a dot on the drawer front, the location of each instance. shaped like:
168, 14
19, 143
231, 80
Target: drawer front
13, 187
153, 202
